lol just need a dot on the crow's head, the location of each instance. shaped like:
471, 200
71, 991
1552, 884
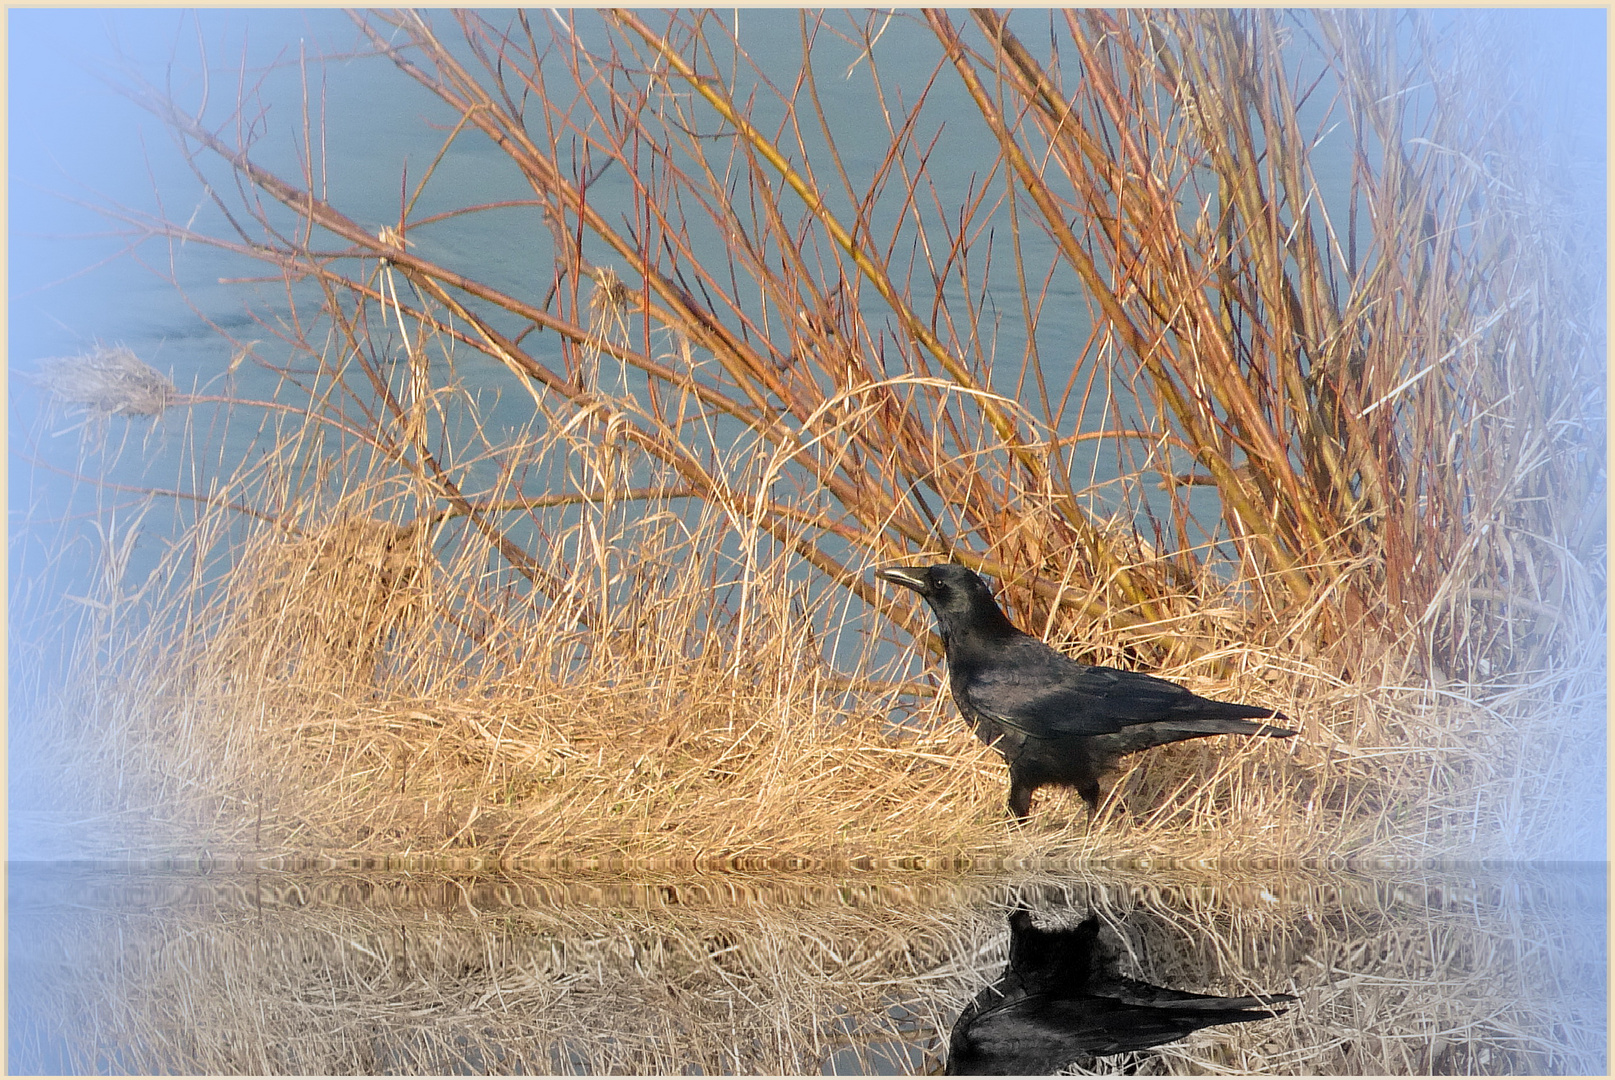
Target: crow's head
962, 602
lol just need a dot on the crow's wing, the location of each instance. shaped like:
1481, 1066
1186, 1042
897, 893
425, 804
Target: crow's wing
1033, 689
1138, 993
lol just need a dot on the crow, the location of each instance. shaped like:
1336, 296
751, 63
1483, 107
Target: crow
1062, 998
1054, 720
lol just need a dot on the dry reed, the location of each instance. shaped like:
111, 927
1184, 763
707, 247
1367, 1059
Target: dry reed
106, 381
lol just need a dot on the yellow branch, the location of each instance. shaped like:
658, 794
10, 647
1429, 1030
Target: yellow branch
1001, 423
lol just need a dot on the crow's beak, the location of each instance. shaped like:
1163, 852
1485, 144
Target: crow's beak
909, 577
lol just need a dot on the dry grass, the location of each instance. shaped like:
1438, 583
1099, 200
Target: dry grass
310, 704
106, 381
784, 974
640, 622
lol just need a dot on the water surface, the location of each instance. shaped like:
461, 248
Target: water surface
1453, 971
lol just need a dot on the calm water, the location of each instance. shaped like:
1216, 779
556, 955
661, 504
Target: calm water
332, 970
1474, 971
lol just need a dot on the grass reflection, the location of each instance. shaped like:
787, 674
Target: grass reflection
1413, 972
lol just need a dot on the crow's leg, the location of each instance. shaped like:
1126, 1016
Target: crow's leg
1020, 797
1088, 788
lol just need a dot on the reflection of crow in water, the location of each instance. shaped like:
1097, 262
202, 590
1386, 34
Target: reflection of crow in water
1061, 998
1057, 721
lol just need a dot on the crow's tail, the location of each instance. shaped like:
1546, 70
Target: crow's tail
1230, 718
1138, 737
1223, 725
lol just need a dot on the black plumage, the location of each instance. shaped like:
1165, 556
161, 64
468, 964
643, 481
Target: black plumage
1054, 720
1062, 998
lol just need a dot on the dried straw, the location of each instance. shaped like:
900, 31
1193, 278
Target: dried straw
106, 381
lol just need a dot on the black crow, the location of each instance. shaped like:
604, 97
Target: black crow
1062, 998
1056, 721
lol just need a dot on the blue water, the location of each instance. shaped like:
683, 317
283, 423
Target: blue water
287, 970
77, 147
